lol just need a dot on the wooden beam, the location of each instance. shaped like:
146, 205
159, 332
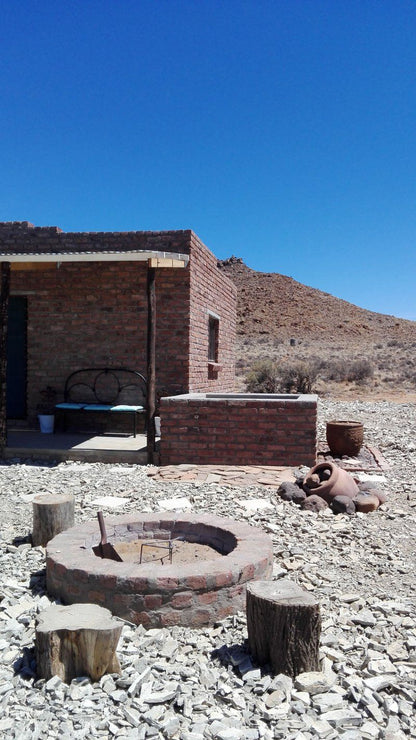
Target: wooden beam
151, 363
4, 313
165, 262
39, 266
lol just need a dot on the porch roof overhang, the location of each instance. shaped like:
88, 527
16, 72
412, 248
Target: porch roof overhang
177, 259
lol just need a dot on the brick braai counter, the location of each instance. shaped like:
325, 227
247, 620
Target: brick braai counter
155, 595
239, 429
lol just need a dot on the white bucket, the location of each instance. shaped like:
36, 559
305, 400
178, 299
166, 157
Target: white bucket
46, 422
157, 426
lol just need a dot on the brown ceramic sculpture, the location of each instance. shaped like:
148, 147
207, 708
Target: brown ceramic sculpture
344, 437
333, 481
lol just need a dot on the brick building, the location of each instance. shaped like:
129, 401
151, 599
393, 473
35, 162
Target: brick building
79, 300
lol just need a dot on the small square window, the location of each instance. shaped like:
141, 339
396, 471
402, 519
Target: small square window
213, 332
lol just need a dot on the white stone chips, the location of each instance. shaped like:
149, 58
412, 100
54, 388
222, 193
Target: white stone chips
197, 685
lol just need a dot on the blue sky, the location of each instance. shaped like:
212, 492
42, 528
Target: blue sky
281, 131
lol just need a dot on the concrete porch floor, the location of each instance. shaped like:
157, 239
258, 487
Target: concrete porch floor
71, 446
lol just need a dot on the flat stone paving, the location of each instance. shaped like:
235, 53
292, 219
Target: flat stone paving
369, 460
241, 476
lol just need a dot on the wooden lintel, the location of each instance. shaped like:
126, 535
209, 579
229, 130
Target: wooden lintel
20, 266
165, 262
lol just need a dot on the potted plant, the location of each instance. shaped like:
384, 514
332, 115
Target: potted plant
46, 409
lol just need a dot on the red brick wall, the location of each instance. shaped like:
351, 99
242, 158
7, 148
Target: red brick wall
210, 291
172, 334
93, 314
238, 432
82, 315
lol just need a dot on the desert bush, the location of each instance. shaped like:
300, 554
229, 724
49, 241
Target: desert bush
298, 377
408, 374
335, 370
342, 370
262, 378
360, 371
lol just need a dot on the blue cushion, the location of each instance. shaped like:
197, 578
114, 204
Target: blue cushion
97, 407
69, 405
126, 408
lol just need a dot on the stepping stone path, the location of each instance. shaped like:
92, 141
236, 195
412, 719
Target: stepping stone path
241, 477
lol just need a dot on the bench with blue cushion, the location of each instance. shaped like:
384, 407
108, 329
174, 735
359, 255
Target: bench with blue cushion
116, 390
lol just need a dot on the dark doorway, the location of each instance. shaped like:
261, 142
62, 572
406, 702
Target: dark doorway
17, 357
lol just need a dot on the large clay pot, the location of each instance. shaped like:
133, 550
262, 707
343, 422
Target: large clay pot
339, 483
344, 437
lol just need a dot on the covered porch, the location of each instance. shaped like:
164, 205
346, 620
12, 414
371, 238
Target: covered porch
29, 444
46, 274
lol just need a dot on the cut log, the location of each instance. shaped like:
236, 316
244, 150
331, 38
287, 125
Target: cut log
76, 640
284, 626
52, 514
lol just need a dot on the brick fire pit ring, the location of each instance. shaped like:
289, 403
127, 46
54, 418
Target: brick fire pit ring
155, 595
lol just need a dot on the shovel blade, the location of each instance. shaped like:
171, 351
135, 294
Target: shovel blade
105, 550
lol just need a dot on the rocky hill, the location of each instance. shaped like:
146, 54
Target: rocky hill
279, 307
358, 353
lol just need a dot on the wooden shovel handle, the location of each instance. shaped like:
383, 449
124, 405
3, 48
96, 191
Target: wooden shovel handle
102, 528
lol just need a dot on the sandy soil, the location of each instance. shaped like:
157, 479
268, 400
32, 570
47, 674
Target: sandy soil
182, 552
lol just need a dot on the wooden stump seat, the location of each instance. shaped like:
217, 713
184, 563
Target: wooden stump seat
52, 514
284, 626
76, 640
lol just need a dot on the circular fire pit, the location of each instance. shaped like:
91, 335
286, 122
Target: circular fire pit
193, 590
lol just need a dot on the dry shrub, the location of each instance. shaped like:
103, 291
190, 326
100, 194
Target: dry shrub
298, 377
341, 370
409, 375
360, 371
335, 370
262, 378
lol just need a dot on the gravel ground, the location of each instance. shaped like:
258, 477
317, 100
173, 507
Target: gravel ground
193, 685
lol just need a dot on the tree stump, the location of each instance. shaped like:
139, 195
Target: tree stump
284, 626
76, 640
52, 514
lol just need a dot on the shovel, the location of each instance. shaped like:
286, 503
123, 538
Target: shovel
104, 549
